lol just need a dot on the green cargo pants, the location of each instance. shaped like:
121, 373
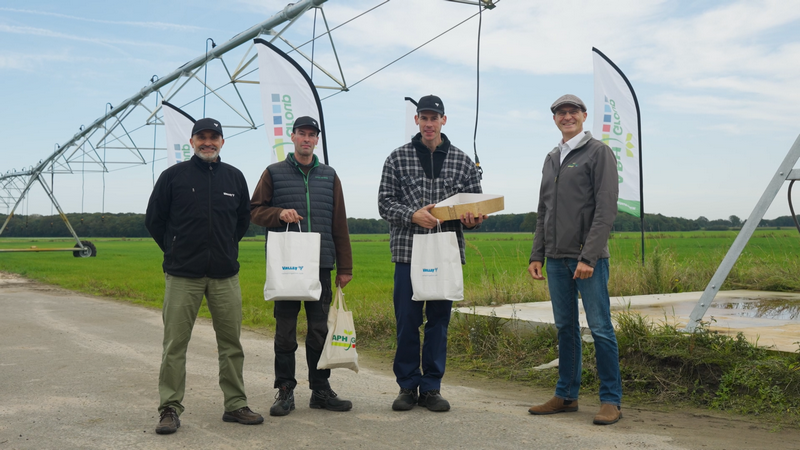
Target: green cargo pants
182, 298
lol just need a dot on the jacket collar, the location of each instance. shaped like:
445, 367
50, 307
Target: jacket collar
444, 147
290, 159
556, 152
587, 135
206, 165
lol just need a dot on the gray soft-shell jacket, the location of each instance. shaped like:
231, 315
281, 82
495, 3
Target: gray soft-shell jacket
577, 203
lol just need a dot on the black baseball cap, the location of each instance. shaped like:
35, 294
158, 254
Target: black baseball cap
305, 121
430, 103
207, 124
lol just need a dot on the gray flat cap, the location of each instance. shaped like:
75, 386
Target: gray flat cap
568, 99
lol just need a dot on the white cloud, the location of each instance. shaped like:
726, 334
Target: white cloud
744, 109
111, 43
27, 62
707, 56
153, 25
114, 44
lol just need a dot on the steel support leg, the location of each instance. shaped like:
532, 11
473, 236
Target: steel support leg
784, 173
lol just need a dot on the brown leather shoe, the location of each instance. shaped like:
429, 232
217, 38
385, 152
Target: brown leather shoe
244, 416
608, 414
553, 406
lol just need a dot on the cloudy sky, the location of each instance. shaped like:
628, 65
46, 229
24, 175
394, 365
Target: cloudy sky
716, 82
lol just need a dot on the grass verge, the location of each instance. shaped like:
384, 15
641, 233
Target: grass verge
659, 364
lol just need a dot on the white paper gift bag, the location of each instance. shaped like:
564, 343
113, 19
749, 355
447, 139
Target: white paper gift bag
339, 351
293, 266
436, 267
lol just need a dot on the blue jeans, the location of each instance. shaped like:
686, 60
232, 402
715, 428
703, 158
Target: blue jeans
408, 315
596, 303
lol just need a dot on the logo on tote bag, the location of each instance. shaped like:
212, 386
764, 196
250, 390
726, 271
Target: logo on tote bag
292, 268
349, 341
429, 272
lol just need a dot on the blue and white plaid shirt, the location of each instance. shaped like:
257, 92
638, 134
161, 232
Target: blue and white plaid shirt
405, 189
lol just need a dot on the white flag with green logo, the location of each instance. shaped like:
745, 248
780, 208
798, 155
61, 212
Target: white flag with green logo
286, 93
616, 123
178, 126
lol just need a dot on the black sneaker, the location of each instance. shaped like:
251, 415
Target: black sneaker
244, 416
327, 399
169, 422
284, 402
406, 400
434, 401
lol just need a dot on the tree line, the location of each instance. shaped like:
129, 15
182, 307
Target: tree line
132, 224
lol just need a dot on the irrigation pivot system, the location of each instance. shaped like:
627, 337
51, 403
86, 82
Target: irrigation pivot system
120, 137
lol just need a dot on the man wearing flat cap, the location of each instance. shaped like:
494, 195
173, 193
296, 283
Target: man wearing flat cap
415, 177
577, 207
197, 214
302, 190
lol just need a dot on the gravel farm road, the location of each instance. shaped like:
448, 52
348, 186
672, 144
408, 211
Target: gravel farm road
80, 372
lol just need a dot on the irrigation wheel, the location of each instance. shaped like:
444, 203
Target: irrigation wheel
89, 250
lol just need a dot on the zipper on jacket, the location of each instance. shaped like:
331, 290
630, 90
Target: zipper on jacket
555, 194
433, 177
308, 200
555, 207
308, 195
210, 221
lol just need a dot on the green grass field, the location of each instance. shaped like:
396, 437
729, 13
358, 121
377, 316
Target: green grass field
496, 270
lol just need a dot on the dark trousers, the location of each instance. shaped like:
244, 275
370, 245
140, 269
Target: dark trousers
408, 316
286, 337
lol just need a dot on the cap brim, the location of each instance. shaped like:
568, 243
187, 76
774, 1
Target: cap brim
555, 107
208, 129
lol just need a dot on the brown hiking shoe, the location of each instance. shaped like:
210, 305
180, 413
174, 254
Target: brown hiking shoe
608, 414
169, 422
553, 406
244, 416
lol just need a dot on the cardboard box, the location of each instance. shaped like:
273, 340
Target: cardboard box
454, 207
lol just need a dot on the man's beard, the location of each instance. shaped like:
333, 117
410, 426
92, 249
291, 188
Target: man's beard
206, 156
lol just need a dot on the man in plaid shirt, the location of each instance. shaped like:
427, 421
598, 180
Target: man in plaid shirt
415, 177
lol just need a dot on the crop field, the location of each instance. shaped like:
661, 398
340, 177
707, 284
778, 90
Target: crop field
496, 270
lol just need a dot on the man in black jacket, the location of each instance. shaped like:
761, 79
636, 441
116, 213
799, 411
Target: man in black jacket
198, 212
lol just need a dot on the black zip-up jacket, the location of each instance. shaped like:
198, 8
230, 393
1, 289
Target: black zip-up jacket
198, 212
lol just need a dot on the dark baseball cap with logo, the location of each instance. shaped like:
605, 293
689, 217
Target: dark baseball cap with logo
306, 121
207, 124
430, 103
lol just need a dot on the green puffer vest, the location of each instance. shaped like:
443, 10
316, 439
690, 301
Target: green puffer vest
311, 196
